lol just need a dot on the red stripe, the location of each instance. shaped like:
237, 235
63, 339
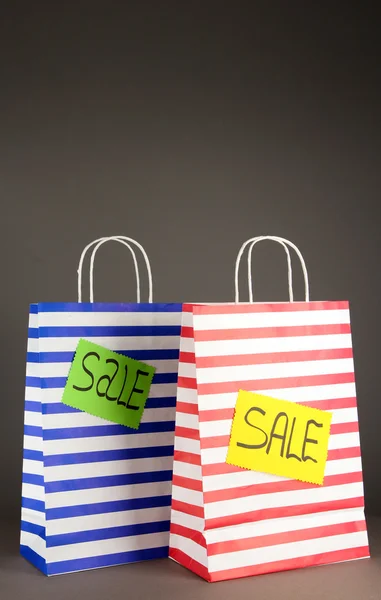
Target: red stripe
270, 357
189, 509
186, 332
221, 441
186, 482
283, 511
187, 457
293, 563
249, 333
234, 309
274, 487
186, 407
191, 534
226, 414
189, 563
342, 453
224, 468
337, 428
188, 308
335, 404
190, 383
271, 384
219, 414
186, 432
187, 357
286, 537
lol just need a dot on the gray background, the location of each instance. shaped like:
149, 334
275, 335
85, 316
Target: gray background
191, 127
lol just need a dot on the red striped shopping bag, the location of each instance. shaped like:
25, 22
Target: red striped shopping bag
228, 522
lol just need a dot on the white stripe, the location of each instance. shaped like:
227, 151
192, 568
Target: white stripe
188, 370
272, 526
187, 319
183, 469
187, 395
32, 442
187, 445
246, 478
34, 467
69, 344
276, 344
299, 394
212, 456
247, 320
186, 420
108, 468
33, 516
110, 546
33, 345
185, 520
107, 494
108, 442
274, 370
62, 369
260, 556
104, 520
185, 495
189, 547
285, 524
104, 319
187, 344
82, 419
33, 419
223, 427
282, 499
34, 492
34, 542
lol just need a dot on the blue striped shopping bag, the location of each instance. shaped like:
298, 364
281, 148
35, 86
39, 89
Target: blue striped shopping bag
94, 493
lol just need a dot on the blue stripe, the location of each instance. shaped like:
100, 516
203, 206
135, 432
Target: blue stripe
33, 406
34, 357
89, 483
100, 430
105, 331
142, 355
33, 455
33, 479
169, 402
58, 408
96, 562
38, 505
33, 528
106, 455
34, 558
33, 309
156, 307
106, 533
60, 382
36, 381
33, 430
100, 508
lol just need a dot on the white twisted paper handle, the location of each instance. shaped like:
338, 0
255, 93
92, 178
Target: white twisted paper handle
285, 243
122, 240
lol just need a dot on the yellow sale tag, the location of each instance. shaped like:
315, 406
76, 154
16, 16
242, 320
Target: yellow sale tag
279, 437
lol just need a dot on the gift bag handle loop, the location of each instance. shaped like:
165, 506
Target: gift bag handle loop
284, 242
249, 270
122, 240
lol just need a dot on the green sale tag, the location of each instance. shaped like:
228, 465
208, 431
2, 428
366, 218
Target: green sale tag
108, 385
